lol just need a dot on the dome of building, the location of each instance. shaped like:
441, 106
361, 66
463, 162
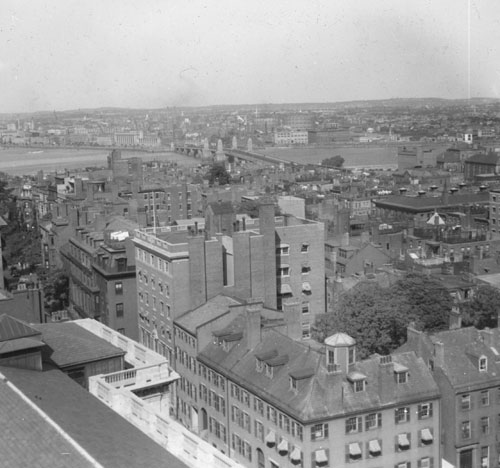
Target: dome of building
340, 339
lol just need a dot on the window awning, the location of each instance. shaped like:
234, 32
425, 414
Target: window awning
296, 456
374, 446
354, 450
285, 289
270, 438
283, 447
306, 286
426, 435
403, 441
320, 456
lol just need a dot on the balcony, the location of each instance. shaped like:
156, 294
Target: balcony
150, 414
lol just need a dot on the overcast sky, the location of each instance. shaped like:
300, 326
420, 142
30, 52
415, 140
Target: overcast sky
67, 54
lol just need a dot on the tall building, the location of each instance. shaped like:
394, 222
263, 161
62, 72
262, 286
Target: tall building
180, 268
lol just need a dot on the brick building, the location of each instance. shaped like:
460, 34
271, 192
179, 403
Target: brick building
251, 388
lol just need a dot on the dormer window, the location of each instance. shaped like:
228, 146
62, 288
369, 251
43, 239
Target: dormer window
259, 365
483, 364
401, 373
358, 381
293, 384
359, 386
269, 371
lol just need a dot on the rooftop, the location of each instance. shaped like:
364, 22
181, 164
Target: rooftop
72, 344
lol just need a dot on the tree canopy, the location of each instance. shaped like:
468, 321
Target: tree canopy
377, 317
482, 310
334, 161
218, 173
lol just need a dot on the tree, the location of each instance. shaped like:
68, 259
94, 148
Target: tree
218, 173
334, 161
56, 291
377, 317
482, 310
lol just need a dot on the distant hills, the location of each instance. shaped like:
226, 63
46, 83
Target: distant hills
272, 107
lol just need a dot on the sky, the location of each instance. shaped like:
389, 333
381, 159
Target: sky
70, 54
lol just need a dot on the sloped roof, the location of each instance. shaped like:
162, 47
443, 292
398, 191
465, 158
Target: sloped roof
72, 344
108, 437
323, 395
340, 339
12, 328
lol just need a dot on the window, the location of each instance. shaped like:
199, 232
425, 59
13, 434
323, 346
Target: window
118, 287
359, 386
121, 331
465, 402
353, 425
374, 448
373, 420
283, 250
483, 364
293, 384
284, 271
319, 432
403, 465
320, 458
485, 398
259, 430
119, 309
258, 406
426, 462
305, 270
306, 330
485, 425
401, 377
485, 457
424, 410
402, 415
465, 430
403, 441
305, 308
304, 248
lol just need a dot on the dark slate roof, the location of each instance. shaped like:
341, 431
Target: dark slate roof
72, 344
12, 328
462, 348
28, 440
104, 434
490, 158
11, 346
323, 395
430, 203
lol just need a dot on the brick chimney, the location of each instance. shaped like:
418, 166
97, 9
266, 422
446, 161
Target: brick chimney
253, 324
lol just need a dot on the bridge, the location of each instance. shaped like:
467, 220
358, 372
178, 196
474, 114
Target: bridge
210, 154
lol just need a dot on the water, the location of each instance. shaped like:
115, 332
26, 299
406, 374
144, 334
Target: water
21, 161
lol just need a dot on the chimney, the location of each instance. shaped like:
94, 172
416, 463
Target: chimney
438, 354
414, 339
292, 312
344, 241
487, 336
253, 324
455, 318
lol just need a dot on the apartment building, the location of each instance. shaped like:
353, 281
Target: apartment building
254, 390
179, 268
466, 365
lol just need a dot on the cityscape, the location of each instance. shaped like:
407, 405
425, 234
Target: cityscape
263, 238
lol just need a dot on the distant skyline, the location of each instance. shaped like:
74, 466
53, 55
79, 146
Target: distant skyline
70, 54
